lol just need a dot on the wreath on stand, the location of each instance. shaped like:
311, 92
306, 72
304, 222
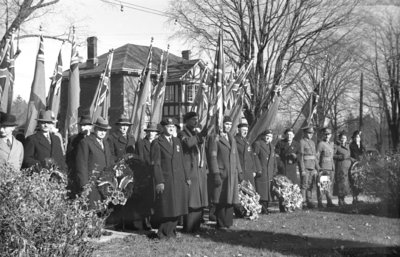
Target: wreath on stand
249, 200
289, 195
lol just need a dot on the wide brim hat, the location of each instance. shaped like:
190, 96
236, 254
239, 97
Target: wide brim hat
46, 116
123, 121
8, 120
152, 127
102, 123
85, 120
169, 121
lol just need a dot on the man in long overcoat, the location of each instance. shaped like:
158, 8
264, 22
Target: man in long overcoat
264, 150
224, 167
85, 126
11, 150
246, 154
171, 179
288, 151
92, 158
120, 141
44, 148
194, 157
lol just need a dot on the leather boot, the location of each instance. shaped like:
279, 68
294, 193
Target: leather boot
310, 205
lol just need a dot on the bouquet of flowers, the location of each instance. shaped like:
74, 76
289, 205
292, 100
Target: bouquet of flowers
117, 184
249, 199
288, 194
358, 176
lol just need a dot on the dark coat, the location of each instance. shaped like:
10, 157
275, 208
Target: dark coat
342, 165
90, 161
247, 159
72, 148
169, 169
120, 145
194, 158
357, 152
38, 148
266, 158
288, 159
224, 160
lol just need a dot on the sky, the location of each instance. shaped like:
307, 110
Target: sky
107, 22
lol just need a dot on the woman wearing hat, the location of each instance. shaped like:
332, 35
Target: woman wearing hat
120, 141
288, 151
11, 150
357, 152
44, 148
92, 157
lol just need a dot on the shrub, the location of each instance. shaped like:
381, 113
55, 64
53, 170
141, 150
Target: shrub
38, 219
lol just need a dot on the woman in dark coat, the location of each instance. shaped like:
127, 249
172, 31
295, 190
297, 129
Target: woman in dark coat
342, 165
357, 152
288, 151
171, 179
266, 158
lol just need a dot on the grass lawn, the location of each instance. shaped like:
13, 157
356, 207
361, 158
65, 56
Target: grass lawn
362, 230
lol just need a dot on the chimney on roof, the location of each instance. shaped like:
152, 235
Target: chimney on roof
186, 54
92, 60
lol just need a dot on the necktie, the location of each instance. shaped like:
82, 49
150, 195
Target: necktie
170, 140
48, 138
101, 144
9, 143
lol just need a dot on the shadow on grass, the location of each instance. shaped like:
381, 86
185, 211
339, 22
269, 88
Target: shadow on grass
379, 209
296, 244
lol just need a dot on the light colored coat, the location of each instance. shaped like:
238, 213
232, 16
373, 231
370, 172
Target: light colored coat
13, 156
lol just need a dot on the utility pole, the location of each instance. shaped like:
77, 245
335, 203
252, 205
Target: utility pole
361, 101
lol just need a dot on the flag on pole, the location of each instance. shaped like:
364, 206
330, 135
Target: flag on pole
101, 100
53, 98
159, 94
74, 90
200, 103
37, 99
7, 74
267, 118
216, 110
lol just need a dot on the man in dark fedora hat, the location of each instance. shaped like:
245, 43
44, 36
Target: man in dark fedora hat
85, 126
120, 141
265, 151
92, 157
193, 141
44, 148
308, 165
171, 179
224, 165
11, 150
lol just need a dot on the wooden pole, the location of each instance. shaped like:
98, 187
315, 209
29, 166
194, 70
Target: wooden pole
361, 101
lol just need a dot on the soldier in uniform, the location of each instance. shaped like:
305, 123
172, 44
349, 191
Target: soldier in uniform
192, 140
120, 141
264, 150
325, 153
246, 154
225, 170
288, 151
308, 165
171, 179
11, 150
85, 126
44, 148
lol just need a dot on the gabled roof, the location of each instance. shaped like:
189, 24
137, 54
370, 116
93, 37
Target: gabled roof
132, 58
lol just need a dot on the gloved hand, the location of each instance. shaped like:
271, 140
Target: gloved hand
217, 179
160, 188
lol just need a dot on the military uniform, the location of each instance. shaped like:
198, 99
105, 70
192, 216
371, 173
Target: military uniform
327, 167
308, 168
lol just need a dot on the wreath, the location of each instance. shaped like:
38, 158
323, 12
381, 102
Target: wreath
249, 200
288, 194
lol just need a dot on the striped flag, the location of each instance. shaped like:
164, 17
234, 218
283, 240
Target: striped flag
101, 100
216, 110
37, 99
7, 74
53, 98
200, 103
157, 98
74, 90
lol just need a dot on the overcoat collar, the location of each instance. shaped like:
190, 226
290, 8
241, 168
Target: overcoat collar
43, 140
96, 142
223, 140
166, 145
266, 147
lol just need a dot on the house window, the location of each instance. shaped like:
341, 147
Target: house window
169, 93
191, 91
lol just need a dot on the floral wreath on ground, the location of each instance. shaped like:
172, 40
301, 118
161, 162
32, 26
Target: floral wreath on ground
289, 195
116, 184
249, 199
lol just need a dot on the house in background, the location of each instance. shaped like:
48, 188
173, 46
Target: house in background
129, 60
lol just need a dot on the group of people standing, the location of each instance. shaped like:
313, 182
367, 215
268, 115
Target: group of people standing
190, 168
